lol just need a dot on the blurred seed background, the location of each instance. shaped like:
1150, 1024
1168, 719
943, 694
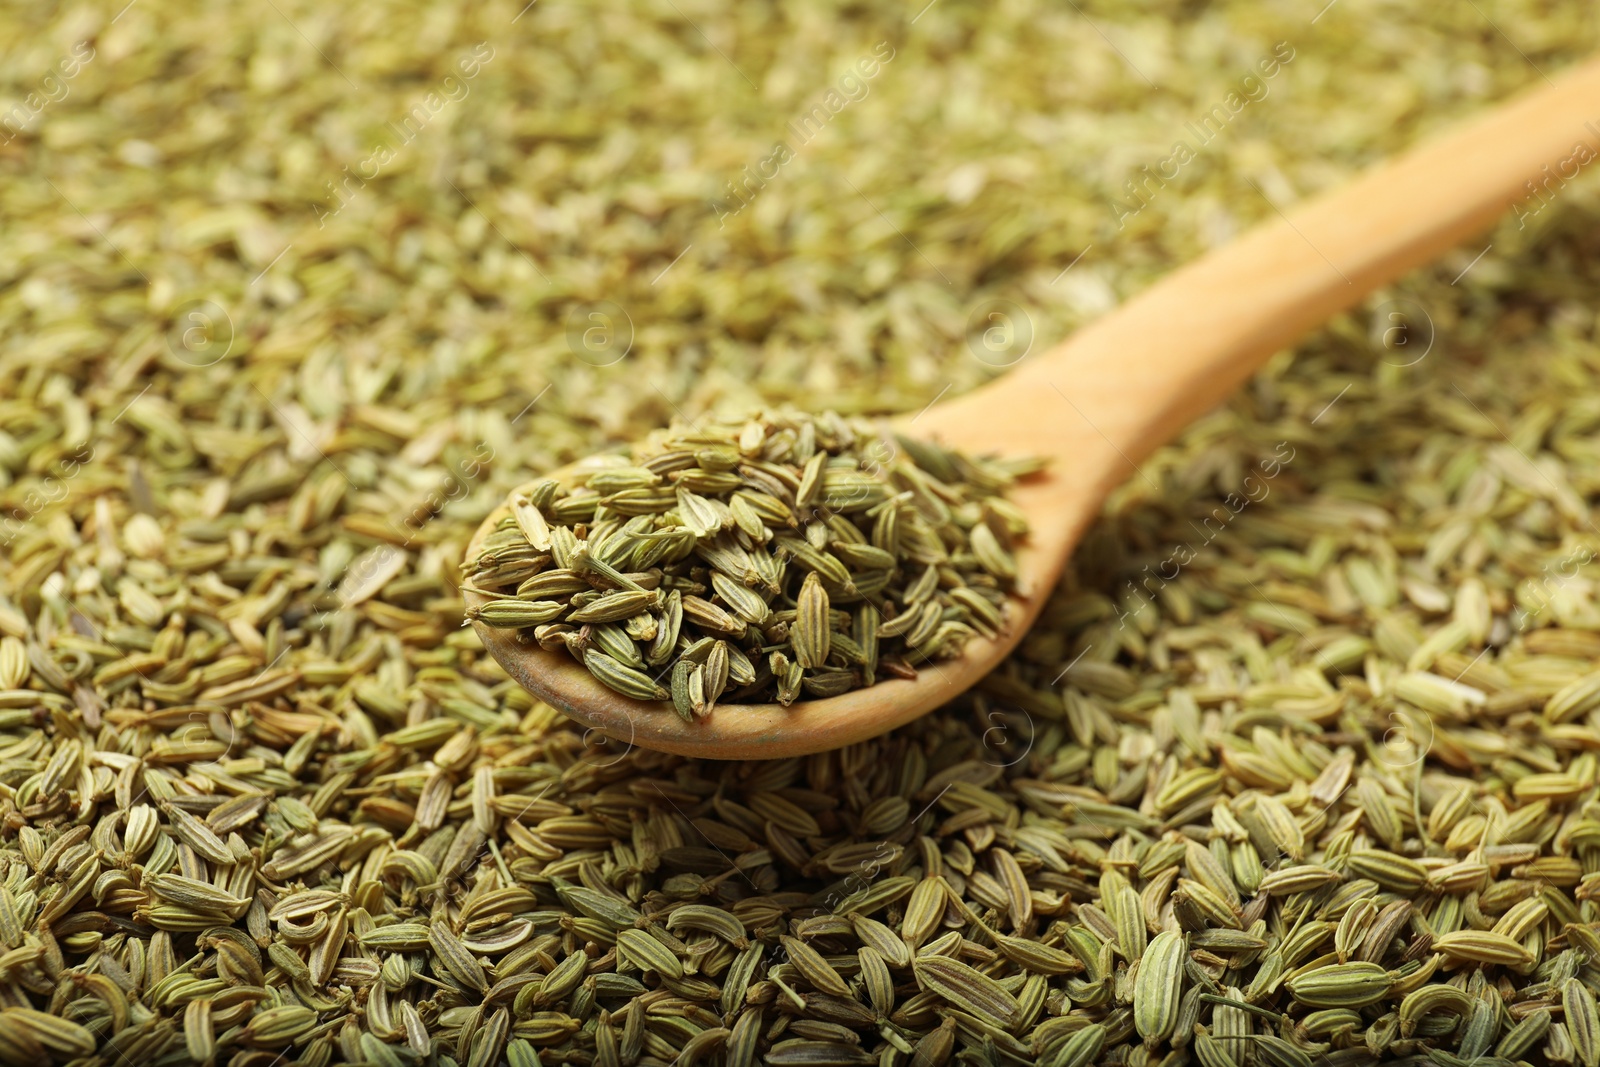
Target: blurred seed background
225, 155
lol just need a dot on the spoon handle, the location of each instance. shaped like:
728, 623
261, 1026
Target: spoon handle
1141, 373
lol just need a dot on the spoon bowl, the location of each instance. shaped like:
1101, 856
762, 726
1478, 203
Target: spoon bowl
771, 731
1101, 401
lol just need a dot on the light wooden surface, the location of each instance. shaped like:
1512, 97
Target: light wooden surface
1102, 400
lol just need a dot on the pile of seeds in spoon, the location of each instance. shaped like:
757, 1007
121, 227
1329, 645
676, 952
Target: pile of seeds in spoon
757, 560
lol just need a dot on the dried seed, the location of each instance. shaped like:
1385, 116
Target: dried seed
1478, 946
1158, 987
647, 953
1341, 985
455, 957
1345, 716
1583, 1021
966, 989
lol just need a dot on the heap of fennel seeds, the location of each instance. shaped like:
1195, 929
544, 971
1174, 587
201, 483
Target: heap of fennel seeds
758, 561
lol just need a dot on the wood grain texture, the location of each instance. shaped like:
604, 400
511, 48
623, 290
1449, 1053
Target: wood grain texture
1102, 400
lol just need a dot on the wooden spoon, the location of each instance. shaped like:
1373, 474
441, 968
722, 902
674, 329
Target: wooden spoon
1102, 400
